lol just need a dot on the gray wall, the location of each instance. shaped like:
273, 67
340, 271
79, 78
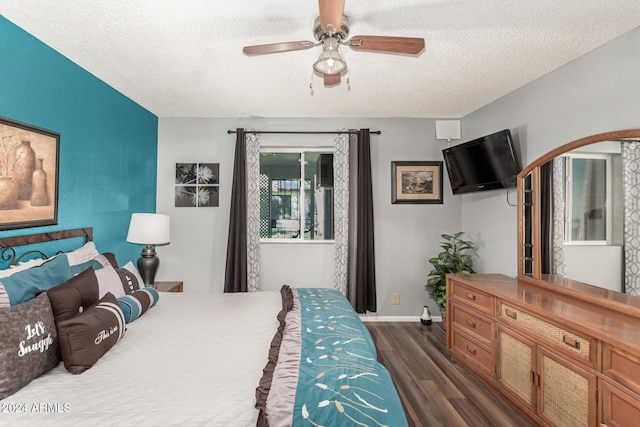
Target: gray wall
405, 235
598, 92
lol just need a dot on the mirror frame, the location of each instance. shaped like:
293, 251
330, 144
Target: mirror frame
533, 169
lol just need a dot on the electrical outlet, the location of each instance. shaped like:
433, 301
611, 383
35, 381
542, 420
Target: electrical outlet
395, 299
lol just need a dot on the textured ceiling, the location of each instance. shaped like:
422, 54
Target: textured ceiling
184, 58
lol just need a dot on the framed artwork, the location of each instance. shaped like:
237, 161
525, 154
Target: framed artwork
416, 182
29, 161
197, 185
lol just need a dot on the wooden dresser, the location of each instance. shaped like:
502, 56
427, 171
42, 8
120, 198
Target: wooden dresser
562, 354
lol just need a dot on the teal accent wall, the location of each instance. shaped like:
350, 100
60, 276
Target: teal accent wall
108, 143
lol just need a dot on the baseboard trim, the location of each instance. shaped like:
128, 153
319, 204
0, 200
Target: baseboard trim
376, 318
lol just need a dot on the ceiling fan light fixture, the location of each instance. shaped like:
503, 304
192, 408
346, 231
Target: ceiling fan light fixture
330, 61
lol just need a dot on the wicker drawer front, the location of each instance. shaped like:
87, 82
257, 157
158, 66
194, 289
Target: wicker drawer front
474, 298
473, 323
563, 339
478, 354
621, 367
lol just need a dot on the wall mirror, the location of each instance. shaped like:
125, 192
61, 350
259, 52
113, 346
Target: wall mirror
579, 213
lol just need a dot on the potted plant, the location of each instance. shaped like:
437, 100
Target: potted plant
454, 258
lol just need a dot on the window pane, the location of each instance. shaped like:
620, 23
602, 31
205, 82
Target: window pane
289, 203
319, 197
280, 195
588, 199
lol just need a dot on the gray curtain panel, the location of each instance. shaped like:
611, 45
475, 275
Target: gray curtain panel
235, 276
362, 274
546, 217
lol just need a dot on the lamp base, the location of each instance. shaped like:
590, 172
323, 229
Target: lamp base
148, 265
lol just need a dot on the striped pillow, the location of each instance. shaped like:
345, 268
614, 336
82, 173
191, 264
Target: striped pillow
137, 303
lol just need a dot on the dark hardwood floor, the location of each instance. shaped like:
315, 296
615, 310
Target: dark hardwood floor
434, 390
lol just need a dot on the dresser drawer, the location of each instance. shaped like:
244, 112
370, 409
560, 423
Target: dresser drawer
478, 355
619, 408
474, 323
621, 367
582, 347
473, 297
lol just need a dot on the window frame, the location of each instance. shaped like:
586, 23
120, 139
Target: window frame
302, 197
568, 209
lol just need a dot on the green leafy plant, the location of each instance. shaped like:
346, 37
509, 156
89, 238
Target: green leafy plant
454, 258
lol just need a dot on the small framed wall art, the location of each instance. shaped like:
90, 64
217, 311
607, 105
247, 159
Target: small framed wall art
29, 159
197, 185
416, 182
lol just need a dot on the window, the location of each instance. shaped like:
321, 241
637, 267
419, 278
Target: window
588, 199
296, 195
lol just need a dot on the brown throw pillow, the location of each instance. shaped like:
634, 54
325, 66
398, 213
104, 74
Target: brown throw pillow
28, 343
111, 257
86, 337
74, 295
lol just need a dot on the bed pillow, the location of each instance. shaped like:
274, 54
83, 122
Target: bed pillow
111, 257
73, 296
118, 281
28, 344
137, 303
13, 269
22, 286
86, 337
130, 277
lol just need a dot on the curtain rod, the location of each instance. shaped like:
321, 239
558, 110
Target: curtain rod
377, 132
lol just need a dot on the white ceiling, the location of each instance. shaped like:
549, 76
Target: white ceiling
183, 58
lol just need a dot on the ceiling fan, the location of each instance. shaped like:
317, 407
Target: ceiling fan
331, 30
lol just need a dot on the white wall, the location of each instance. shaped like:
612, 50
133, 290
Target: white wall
596, 93
608, 259
405, 235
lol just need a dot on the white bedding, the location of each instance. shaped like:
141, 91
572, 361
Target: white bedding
192, 360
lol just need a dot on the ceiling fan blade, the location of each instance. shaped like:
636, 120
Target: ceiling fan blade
331, 79
331, 14
408, 45
276, 47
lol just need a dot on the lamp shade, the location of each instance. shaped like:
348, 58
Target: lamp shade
149, 229
330, 62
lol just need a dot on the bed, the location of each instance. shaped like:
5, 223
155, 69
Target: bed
295, 357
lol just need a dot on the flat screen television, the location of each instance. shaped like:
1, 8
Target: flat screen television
486, 163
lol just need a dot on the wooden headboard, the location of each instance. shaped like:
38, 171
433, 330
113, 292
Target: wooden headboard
9, 244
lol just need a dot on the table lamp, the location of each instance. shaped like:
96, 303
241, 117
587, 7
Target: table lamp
150, 230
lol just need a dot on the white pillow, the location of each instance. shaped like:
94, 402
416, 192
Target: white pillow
21, 267
134, 271
83, 254
109, 281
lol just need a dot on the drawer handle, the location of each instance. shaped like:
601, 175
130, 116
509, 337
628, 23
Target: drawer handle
511, 313
471, 323
472, 297
571, 342
471, 350
535, 379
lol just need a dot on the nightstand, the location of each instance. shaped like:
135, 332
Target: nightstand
169, 286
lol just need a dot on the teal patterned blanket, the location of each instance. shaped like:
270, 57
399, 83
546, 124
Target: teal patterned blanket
324, 368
